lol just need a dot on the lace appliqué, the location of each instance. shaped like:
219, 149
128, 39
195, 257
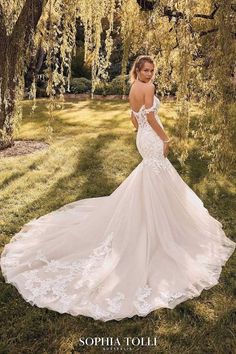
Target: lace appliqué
157, 164
165, 298
141, 115
140, 303
62, 275
149, 144
114, 305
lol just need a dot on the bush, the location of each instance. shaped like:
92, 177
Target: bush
80, 85
78, 67
41, 92
114, 87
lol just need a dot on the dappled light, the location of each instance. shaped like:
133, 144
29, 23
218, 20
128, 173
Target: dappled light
109, 228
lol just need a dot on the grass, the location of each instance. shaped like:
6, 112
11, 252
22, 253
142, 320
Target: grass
91, 152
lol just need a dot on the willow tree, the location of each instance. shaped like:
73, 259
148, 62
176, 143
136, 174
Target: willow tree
217, 124
193, 44
18, 21
26, 25
55, 35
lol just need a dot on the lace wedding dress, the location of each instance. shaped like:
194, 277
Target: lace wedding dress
149, 244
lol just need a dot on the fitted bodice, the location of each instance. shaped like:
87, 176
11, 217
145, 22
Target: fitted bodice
141, 115
149, 144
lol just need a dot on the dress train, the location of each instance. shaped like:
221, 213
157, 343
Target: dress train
149, 244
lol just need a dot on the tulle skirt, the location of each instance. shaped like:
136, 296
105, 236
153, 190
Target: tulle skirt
148, 245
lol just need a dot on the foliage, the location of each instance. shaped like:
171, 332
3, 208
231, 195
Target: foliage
114, 87
11, 10
217, 124
18, 21
92, 14
56, 35
80, 85
193, 44
78, 66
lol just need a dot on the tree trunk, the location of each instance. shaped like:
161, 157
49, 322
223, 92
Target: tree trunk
13, 59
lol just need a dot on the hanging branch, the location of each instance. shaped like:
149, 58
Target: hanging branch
14, 54
203, 33
172, 12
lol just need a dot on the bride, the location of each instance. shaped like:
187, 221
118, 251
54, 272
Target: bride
150, 244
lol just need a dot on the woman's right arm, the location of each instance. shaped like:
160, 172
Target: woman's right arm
148, 102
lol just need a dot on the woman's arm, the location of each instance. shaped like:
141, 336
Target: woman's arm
148, 99
134, 120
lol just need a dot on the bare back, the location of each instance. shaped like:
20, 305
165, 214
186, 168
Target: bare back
137, 95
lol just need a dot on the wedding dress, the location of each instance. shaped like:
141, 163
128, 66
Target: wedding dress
150, 244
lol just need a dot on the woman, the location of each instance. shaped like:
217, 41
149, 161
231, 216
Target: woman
150, 244
142, 90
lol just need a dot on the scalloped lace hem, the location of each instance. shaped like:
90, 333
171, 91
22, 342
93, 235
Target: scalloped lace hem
54, 289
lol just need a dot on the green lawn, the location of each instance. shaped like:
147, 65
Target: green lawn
92, 150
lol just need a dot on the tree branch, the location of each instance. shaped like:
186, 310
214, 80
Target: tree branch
203, 33
208, 17
31, 8
3, 31
171, 12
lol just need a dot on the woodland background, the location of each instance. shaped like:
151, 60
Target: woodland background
50, 52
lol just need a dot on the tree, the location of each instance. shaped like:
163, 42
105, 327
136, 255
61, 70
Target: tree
15, 46
190, 41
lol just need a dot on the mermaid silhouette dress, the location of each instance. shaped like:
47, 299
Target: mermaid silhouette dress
150, 244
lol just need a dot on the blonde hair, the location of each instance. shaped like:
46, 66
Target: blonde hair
137, 65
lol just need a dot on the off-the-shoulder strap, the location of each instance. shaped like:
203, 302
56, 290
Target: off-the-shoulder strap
148, 110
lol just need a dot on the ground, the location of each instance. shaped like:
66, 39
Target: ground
91, 151
23, 147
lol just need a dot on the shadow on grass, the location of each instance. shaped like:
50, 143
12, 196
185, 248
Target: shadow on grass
13, 177
72, 120
196, 167
26, 329
89, 179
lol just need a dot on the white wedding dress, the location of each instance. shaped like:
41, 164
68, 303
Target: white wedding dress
149, 244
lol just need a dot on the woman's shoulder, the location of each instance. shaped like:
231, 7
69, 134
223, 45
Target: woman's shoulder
150, 88
142, 87
150, 85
